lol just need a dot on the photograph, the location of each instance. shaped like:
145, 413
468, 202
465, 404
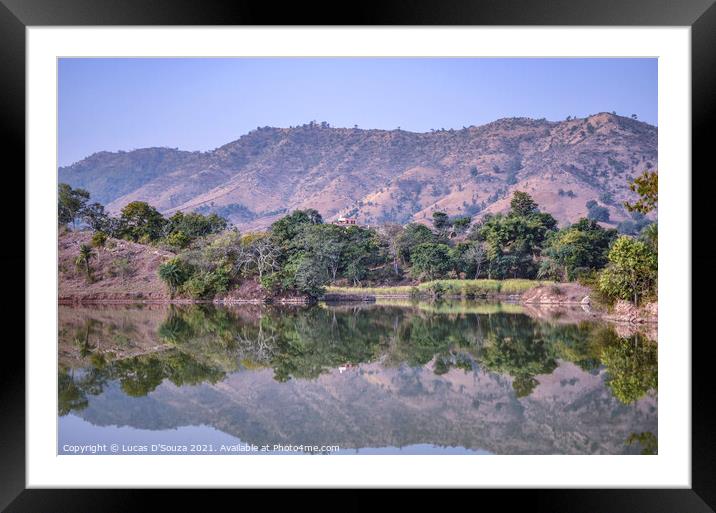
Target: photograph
357, 256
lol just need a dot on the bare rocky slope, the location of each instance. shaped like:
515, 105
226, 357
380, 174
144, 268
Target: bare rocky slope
382, 176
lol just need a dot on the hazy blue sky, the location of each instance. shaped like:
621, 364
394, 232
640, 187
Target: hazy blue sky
200, 104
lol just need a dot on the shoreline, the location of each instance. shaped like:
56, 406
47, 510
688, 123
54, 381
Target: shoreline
623, 313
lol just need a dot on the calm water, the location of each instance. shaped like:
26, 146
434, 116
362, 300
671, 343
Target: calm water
400, 378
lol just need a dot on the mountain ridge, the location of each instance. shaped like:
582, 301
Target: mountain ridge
378, 175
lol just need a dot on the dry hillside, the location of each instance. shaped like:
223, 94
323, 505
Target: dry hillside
121, 270
384, 175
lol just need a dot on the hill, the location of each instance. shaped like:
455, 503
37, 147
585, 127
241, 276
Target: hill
121, 271
382, 176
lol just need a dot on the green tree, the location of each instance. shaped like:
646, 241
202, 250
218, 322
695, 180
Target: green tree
70, 203
431, 261
522, 204
441, 221
95, 216
646, 186
632, 271
580, 247
141, 221
513, 242
99, 239
194, 225
287, 228
413, 235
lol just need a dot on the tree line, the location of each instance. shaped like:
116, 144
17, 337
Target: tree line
302, 254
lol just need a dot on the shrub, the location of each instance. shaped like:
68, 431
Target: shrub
198, 286
99, 239
174, 273
121, 267
178, 240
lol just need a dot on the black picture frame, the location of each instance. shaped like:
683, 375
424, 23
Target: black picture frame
16, 15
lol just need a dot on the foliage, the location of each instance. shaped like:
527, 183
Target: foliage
139, 221
83, 260
177, 239
646, 186
174, 273
431, 261
581, 247
70, 203
513, 242
632, 367
99, 239
646, 439
632, 271
522, 204
193, 225
413, 235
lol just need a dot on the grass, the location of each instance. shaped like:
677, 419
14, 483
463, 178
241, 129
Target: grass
463, 288
454, 307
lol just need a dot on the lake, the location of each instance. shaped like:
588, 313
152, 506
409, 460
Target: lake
396, 377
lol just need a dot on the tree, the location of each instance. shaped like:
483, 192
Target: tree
99, 239
513, 242
441, 223
194, 225
431, 261
632, 271
522, 204
582, 246
83, 259
390, 235
260, 254
141, 221
70, 203
413, 235
475, 255
646, 186
96, 217
287, 228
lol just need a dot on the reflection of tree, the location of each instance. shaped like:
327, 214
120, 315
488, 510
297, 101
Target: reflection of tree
70, 396
648, 441
515, 345
206, 343
632, 367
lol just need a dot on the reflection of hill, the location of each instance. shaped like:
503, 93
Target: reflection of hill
122, 330
570, 411
480, 378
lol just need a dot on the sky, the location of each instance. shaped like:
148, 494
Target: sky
200, 104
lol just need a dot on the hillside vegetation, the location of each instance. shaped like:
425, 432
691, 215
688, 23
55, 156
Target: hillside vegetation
203, 257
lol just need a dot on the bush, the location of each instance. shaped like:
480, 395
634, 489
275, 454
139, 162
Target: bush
120, 267
198, 286
177, 240
99, 239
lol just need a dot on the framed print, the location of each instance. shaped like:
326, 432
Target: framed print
418, 252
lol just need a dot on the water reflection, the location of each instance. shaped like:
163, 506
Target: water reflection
469, 375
